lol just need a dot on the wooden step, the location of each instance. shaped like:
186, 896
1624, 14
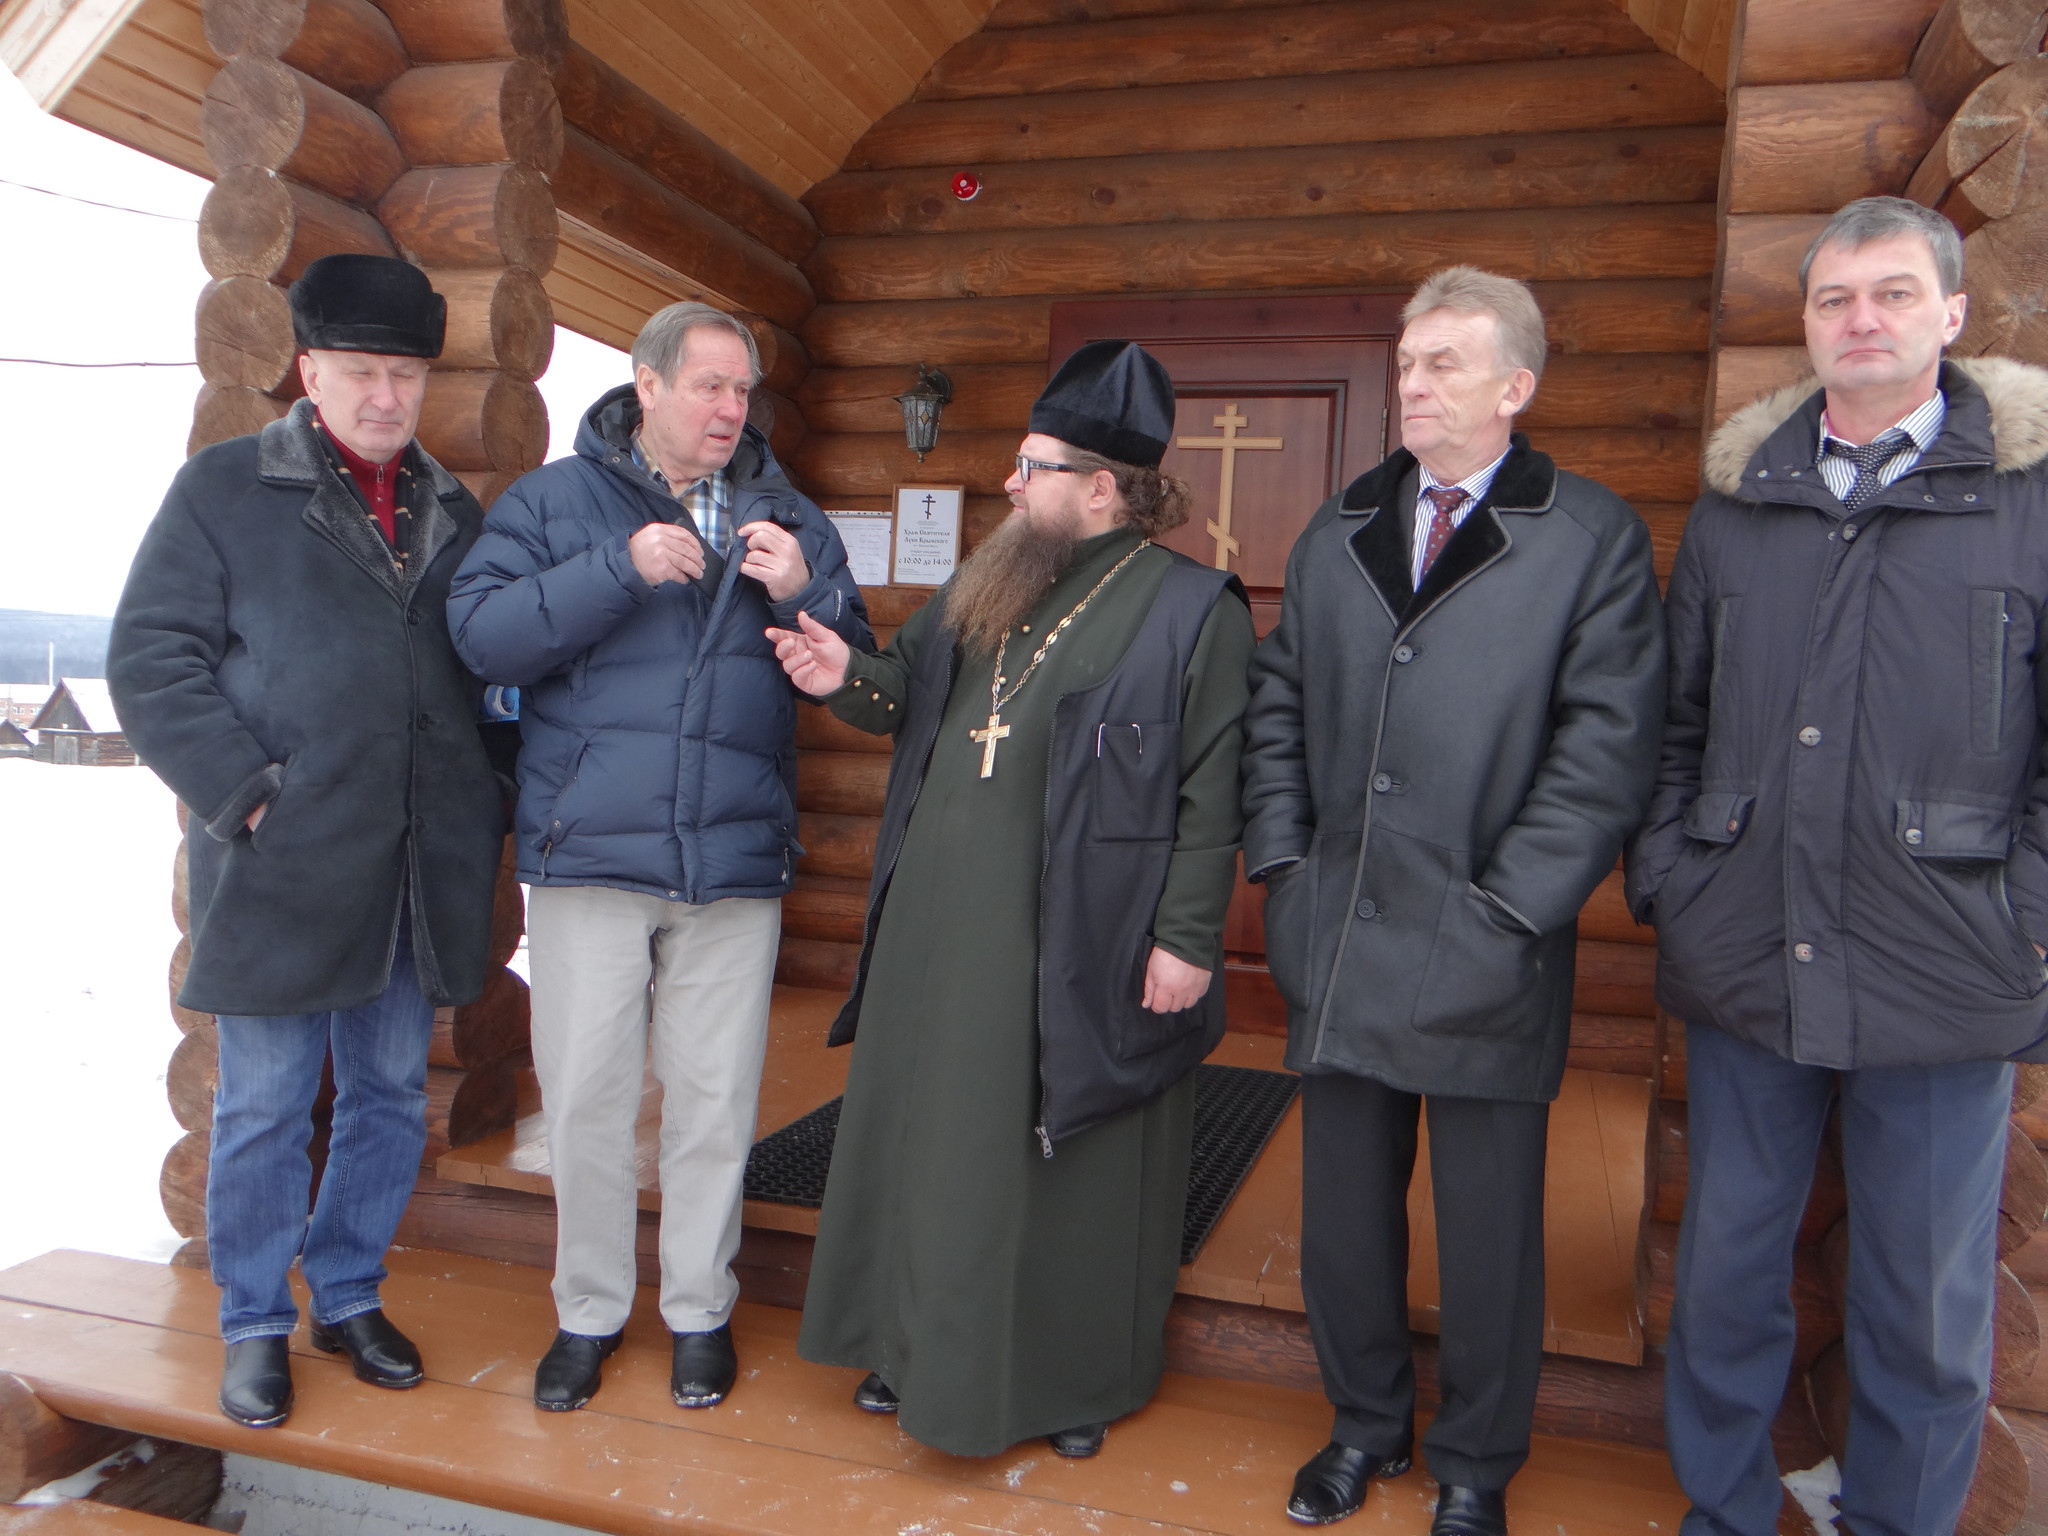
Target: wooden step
130, 1344
82, 1517
1599, 1131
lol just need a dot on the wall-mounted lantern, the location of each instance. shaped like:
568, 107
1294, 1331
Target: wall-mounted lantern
921, 408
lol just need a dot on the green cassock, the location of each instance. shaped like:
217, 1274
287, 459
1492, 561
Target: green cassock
1003, 1294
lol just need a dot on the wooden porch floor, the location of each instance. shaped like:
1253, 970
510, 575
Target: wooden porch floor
133, 1345
1596, 1188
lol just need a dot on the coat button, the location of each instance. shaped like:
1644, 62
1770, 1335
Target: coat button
1810, 737
417, 617
1915, 836
1382, 782
1404, 653
1368, 909
1803, 953
425, 721
1849, 533
419, 823
672, 894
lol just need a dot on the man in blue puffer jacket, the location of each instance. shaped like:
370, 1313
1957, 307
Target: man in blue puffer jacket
626, 591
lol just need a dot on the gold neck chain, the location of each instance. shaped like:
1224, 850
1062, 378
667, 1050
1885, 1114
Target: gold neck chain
993, 733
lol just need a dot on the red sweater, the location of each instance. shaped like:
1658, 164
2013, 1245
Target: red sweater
377, 482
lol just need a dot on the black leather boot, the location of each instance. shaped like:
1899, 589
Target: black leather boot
1082, 1441
702, 1367
256, 1381
382, 1355
569, 1373
1333, 1482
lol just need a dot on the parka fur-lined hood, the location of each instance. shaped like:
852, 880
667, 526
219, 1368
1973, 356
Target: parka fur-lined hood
2016, 393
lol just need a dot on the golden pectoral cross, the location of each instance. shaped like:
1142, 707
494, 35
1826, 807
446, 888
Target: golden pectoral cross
990, 736
1229, 445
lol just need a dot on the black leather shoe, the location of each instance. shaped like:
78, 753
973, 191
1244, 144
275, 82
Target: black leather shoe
1331, 1484
703, 1367
568, 1374
382, 1355
1470, 1512
256, 1381
873, 1395
1082, 1441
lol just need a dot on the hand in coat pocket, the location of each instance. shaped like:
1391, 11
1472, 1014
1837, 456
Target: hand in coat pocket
1171, 984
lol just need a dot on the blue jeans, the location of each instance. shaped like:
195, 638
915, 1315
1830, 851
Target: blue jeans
1923, 1149
258, 1178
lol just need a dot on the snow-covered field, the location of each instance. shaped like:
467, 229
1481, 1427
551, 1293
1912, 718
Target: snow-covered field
85, 1023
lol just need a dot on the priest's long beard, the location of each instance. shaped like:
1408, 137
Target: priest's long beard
1003, 580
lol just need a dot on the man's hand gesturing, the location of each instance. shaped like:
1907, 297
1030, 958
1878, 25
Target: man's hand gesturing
775, 559
812, 655
666, 552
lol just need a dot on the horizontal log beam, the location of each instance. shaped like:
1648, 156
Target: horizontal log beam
1992, 159
347, 44
497, 1025
1660, 390
256, 223
466, 1105
1637, 90
1353, 250
222, 412
1760, 301
1294, 40
609, 193
498, 318
1743, 375
1785, 42
483, 421
476, 114
1045, 13
38, 1445
190, 1079
263, 113
243, 334
1559, 170
473, 216
634, 125
1643, 315
462, 31
2006, 273
1802, 148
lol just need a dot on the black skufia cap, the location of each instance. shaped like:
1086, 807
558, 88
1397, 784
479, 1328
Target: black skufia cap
352, 303
1113, 398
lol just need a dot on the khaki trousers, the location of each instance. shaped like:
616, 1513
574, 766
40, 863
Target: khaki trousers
605, 964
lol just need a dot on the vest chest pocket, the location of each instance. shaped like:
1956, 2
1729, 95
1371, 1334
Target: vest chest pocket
1135, 781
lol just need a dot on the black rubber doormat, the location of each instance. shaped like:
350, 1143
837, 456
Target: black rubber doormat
1236, 1109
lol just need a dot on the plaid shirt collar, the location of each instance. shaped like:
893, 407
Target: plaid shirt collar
709, 500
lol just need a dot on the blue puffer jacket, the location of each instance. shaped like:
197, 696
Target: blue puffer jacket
658, 727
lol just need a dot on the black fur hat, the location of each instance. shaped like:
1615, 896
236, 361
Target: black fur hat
1113, 398
351, 303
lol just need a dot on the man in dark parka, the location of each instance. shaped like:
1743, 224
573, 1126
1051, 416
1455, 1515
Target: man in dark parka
1452, 729
281, 658
1847, 863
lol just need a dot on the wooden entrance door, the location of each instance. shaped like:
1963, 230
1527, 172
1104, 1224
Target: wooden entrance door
1281, 403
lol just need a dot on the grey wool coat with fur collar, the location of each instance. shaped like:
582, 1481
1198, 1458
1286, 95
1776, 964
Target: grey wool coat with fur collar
267, 650
1846, 857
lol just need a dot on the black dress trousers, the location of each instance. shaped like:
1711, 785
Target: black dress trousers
1486, 1163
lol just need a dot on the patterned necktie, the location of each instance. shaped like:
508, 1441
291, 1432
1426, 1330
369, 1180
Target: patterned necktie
1443, 501
1868, 459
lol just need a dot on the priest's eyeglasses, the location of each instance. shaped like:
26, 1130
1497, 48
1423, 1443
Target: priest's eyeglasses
1025, 466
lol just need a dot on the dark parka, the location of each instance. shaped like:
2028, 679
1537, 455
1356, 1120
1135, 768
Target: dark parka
267, 650
1847, 854
658, 728
1454, 769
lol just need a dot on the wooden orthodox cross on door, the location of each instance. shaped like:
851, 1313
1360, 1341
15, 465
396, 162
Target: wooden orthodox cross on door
1281, 403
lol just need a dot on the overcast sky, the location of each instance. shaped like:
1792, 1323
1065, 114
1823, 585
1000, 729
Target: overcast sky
86, 453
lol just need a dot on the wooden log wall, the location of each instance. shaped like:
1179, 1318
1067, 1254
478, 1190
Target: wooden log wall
423, 130
1175, 147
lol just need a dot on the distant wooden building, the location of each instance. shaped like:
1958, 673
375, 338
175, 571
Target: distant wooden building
77, 725
14, 742
22, 702
1247, 186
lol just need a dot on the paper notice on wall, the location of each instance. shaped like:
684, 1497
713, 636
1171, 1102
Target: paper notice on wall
927, 534
866, 536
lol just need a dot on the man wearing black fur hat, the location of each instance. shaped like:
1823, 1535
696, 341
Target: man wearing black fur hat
1001, 1230
281, 658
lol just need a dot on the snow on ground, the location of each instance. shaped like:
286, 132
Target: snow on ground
85, 1024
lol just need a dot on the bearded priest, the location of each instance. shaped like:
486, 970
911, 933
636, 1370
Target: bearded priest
1001, 1229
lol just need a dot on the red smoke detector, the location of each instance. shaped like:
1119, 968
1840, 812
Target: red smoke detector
967, 186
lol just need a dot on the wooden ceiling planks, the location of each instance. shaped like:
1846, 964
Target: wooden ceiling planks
787, 85
145, 87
